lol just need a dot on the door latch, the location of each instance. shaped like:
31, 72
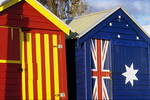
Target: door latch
20, 70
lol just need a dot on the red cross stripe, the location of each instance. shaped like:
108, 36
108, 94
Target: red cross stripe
99, 51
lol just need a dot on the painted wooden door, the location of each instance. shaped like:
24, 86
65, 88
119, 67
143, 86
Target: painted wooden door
10, 64
101, 69
130, 72
43, 62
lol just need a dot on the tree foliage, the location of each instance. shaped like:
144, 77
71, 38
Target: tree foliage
66, 8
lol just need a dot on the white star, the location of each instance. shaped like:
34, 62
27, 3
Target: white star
130, 74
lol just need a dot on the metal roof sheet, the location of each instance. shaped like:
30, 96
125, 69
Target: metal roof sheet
84, 22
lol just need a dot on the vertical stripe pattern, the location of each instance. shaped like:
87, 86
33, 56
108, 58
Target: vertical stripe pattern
23, 66
38, 53
47, 66
30, 66
40, 77
55, 57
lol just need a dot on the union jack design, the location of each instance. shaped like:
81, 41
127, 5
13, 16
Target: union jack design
99, 50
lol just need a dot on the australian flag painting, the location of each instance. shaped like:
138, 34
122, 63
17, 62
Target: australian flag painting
100, 70
130, 73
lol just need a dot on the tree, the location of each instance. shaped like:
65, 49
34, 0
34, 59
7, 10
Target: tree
66, 8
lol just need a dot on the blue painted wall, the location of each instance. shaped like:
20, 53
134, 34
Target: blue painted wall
123, 55
80, 72
129, 45
77, 78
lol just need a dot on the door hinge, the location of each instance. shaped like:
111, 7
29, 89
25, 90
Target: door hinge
60, 95
60, 46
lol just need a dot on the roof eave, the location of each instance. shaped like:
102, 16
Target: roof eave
8, 4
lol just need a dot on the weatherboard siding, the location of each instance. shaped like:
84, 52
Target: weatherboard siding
10, 81
24, 15
76, 70
138, 56
81, 73
128, 45
42, 63
78, 83
32, 54
121, 32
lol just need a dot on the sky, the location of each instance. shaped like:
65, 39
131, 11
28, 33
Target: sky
139, 10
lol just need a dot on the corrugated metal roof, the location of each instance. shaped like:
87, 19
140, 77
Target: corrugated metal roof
82, 23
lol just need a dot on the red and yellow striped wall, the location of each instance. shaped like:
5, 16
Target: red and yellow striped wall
42, 59
42, 65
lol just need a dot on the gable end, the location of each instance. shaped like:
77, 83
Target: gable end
118, 25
